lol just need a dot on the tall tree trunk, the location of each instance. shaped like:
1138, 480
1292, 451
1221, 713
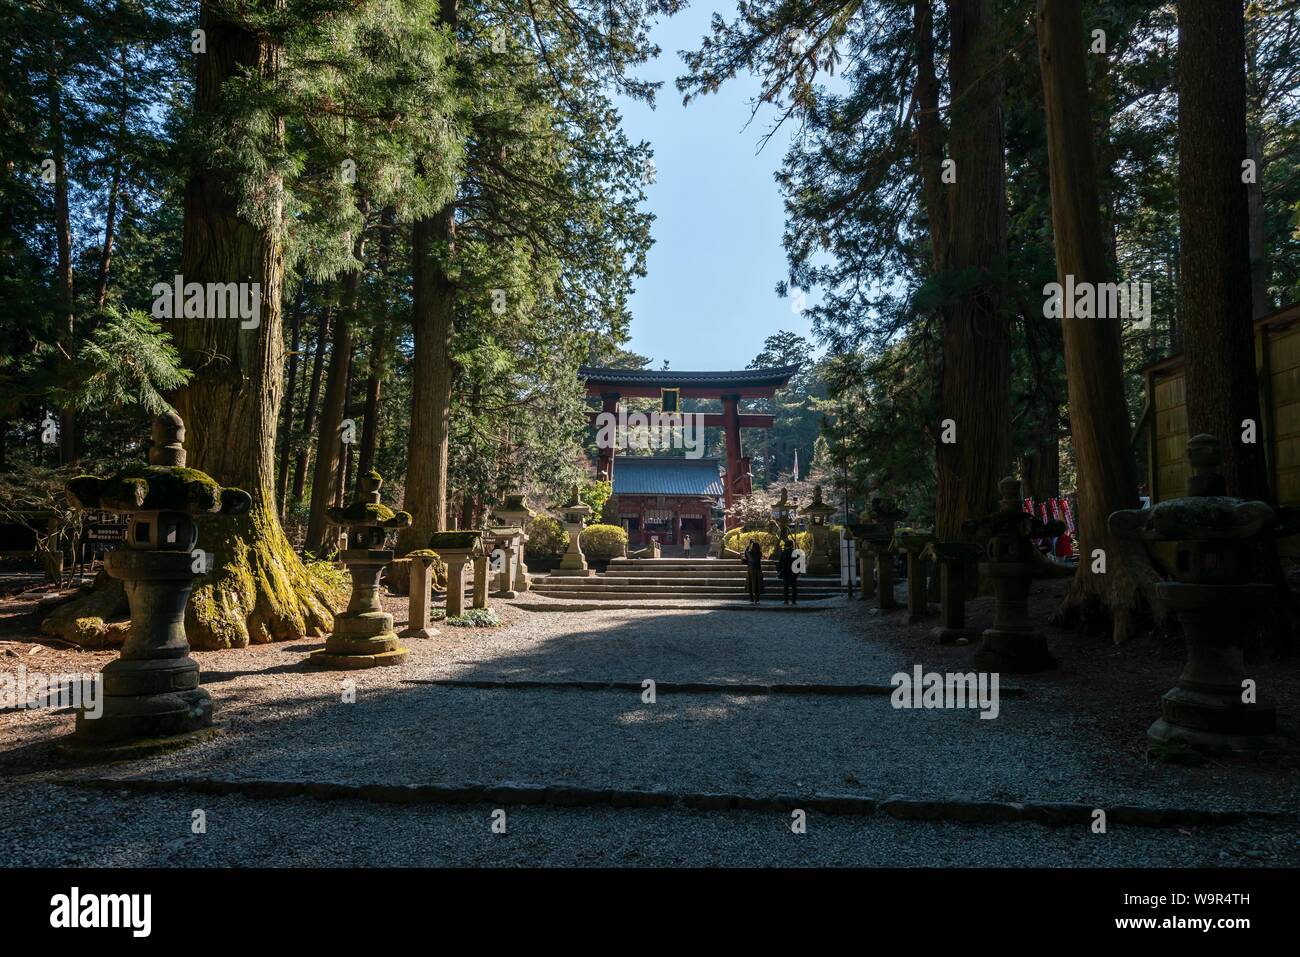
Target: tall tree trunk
1219, 350
975, 391
1094, 364
325, 475
929, 135
374, 387
260, 590
63, 236
309, 411
115, 187
433, 372
286, 422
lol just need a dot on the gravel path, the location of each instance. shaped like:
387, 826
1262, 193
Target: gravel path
62, 827
1074, 736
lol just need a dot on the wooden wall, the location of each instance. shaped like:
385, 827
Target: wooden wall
1277, 357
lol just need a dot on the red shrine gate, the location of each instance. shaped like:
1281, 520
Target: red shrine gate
670, 387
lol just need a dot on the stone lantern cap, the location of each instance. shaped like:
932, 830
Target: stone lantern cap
367, 511
164, 485
1011, 520
912, 539
457, 546
575, 510
951, 551
1205, 514
879, 529
513, 511
425, 556
818, 510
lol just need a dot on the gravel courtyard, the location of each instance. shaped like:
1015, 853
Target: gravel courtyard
301, 774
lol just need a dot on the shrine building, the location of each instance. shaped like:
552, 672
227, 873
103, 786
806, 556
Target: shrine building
668, 495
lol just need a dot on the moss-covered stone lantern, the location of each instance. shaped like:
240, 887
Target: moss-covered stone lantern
1011, 562
575, 514
363, 635
1220, 547
152, 698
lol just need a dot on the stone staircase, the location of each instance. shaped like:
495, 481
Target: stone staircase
670, 578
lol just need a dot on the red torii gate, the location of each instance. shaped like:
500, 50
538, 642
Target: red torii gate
729, 387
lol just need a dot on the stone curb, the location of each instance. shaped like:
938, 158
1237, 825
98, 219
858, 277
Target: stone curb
673, 687
532, 795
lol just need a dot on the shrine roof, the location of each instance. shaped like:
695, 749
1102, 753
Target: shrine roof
651, 475
742, 382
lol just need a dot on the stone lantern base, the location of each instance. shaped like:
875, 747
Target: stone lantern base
363, 635
1013, 645
151, 696
1205, 709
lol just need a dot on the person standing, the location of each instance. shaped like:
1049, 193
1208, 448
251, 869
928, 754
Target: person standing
786, 571
686, 546
754, 571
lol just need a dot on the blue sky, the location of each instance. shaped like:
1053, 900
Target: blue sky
708, 300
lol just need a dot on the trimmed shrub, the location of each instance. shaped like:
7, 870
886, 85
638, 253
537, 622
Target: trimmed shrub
546, 537
603, 541
738, 541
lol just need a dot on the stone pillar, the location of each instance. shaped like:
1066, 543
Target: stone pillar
480, 581
885, 578
913, 543
954, 559
866, 571
505, 578
420, 602
731, 428
456, 587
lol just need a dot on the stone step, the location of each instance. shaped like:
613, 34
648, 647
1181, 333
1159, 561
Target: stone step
688, 590
596, 595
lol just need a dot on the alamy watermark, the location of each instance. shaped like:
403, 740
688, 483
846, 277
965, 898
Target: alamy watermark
651, 430
922, 689
35, 689
1099, 300
213, 300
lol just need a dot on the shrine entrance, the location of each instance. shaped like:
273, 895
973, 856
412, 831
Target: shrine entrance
665, 495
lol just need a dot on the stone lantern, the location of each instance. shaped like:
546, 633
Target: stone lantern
516, 513
1220, 548
783, 513
913, 542
1012, 562
954, 559
151, 693
574, 563
819, 513
877, 537
363, 635
456, 548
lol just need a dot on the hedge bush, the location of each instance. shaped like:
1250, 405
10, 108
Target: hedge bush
546, 537
738, 541
603, 541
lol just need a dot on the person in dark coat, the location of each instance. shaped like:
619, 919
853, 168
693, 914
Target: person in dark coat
789, 577
754, 571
